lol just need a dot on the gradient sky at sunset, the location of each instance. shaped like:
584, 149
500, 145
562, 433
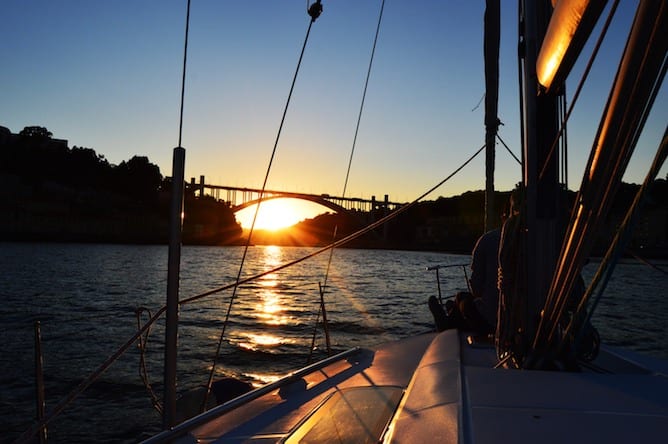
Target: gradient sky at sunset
106, 75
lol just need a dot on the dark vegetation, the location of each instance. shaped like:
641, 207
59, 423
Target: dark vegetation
51, 192
454, 224
54, 193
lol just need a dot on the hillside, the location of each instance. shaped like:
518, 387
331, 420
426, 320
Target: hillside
51, 192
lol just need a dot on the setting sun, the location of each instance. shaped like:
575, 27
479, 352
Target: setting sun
276, 214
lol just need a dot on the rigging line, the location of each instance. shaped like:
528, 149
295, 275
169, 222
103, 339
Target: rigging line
84, 384
662, 154
314, 12
366, 84
479, 102
604, 273
646, 262
561, 100
321, 309
633, 139
509, 150
564, 142
578, 90
123, 348
142, 345
338, 243
520, 80
183, 78
352, 151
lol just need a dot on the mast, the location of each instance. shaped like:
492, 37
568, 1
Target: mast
491, 51
541, 191
528, 249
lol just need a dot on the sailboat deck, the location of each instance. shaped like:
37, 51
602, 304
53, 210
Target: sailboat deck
453, 393
500, 405
271, 417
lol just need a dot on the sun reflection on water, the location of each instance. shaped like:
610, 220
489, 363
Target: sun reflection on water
257, 341
270, 308
262, 378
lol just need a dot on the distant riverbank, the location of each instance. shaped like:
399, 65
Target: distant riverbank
50, 192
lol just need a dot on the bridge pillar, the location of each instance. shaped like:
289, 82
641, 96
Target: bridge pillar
386, 210
201, 186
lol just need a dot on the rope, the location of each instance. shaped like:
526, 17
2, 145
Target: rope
646, 262
183, 78
617, 246
366, 84
339, 242
350, 161
520, 78
321, 290
142, 343
83, 385
564, 141
314, 12
638, 84
552, 302
508, 149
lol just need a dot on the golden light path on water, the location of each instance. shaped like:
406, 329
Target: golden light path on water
270, 308
271, 304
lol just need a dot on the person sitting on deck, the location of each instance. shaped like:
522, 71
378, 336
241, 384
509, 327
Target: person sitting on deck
475, 311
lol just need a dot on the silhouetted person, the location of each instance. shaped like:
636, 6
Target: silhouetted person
476, 311
480, 308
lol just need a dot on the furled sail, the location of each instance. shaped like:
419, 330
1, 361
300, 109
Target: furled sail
491, 50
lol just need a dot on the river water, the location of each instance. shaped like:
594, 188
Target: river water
85, 297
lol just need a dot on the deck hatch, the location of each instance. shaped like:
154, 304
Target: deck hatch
352, 415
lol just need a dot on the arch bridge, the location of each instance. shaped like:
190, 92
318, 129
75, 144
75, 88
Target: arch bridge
239, 198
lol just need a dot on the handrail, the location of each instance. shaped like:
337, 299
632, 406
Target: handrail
438, 267
83, 385
438, 279
217, 411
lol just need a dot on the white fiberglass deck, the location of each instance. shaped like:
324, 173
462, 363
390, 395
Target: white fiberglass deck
500, 405
452, 393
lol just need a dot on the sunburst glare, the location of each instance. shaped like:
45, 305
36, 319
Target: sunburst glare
277, 214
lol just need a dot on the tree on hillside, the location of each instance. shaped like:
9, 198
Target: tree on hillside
139, 177
36, 131
86, 168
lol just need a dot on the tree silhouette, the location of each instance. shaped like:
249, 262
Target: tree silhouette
85, 168
36, 131
139, 177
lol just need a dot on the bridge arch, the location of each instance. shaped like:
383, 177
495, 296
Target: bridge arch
315, 199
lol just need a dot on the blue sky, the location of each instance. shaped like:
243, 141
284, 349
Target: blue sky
106, 75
